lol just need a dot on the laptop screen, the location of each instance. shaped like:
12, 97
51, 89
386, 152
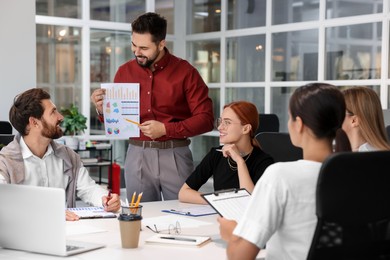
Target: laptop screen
33, 219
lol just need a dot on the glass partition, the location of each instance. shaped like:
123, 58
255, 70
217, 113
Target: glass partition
59, 63
205, 57
280, 97
124, 11
109, 50
295, 55
245, 14
254, 95
345, 8
294, 11
353, 52
166, 9
59, 8
203, 16
245, 58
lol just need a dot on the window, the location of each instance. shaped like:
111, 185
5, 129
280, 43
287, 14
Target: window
243, 49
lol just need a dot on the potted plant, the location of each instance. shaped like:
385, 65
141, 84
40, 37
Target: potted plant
74, 123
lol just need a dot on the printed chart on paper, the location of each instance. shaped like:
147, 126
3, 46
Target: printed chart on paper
121, 110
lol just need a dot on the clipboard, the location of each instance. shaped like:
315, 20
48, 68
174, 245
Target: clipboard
229, 204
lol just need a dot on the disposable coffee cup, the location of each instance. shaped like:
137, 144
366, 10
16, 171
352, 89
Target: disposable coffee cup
130, 226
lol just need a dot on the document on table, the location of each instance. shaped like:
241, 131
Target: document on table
92, 212
230, 204
178, 240
194, 211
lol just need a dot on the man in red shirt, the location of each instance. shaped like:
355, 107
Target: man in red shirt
174, 105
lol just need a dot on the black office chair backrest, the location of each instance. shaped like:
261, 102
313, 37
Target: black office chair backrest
5, 139
268, 123
353, 207
5, 127
279, 146
388, 132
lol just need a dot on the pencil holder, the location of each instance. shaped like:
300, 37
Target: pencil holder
130, 227
132, 210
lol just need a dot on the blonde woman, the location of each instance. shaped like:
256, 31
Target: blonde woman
364, 123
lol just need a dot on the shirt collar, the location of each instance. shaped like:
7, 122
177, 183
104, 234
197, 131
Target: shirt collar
26, 152
161, 64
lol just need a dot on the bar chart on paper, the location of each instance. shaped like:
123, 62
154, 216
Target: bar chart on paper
121, 110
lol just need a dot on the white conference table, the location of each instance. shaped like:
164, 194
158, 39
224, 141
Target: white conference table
216, 249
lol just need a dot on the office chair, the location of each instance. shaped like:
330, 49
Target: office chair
5, 127
388, 132
353, 207
5, 139
279, 146
268, 123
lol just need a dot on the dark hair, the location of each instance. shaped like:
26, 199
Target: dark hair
151, 23
321, 107
27, 104
248, 114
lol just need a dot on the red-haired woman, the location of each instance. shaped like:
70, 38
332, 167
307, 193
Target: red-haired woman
239, 163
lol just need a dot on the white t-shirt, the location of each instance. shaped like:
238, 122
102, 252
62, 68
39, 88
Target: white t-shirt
366, 147
281, 212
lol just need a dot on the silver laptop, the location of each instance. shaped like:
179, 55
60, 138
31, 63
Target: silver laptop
33, 219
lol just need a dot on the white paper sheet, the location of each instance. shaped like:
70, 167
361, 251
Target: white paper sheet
121, 110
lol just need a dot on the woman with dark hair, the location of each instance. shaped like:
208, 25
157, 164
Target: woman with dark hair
281, 211
239, 163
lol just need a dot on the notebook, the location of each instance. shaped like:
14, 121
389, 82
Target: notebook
92, 212
33, 219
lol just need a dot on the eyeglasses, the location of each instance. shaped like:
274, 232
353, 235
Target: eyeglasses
172, 229
224, 122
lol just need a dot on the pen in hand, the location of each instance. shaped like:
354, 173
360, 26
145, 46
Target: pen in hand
108, 197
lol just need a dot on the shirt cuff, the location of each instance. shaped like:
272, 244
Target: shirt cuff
97, 112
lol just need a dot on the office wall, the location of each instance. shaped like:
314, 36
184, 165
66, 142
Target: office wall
17, 50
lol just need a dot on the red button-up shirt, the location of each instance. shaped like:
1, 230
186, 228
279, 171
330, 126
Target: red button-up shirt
174, 94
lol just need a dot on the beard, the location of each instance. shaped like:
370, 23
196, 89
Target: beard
50, 131
148, 61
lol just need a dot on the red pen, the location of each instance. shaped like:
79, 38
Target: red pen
108, 197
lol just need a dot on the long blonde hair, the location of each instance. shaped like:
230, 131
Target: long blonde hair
364, 103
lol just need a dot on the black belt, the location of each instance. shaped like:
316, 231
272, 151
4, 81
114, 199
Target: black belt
161, 145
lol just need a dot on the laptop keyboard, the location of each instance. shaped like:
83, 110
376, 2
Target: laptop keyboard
71, 248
